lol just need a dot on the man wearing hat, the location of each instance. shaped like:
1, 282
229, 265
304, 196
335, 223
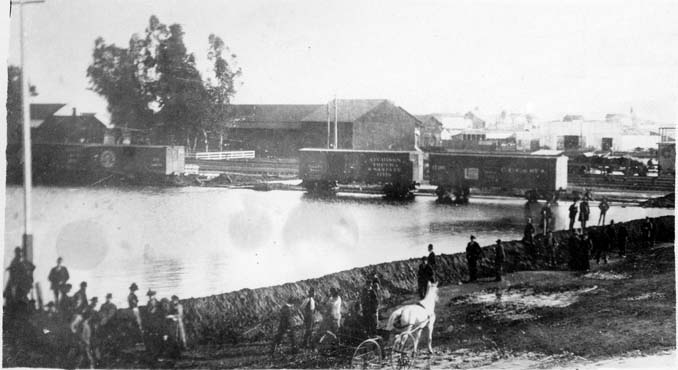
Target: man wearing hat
65, 306
133, 303
498, 260
58, 276
473, 254
177, 312
107, 310
286, 325
80, 298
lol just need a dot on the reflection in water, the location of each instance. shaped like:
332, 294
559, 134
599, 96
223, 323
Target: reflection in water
199, 241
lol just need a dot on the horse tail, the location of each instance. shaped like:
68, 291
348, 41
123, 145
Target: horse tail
394, 316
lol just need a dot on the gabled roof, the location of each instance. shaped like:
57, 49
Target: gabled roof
43, 111
71, 122
348, 110
424, 118
268, 115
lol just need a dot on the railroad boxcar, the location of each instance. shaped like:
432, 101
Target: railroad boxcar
396, 171
456, 173
85, 163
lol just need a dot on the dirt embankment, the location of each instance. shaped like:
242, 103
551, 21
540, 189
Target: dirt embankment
229, 317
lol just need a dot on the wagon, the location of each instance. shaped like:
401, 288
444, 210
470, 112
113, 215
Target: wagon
375, 352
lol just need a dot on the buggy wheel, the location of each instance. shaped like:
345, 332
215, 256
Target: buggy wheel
403, 355
328, 345
367, 355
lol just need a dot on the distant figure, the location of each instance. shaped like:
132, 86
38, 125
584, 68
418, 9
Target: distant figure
648, 231
133, 303
20, 279
499, 257
585, 247
473, 254
370, 306
601, 242
308, 310
66, 303
80, 298
107, 310
335, 310
285, 325
550, 246
528, 238
622, 239
574, 208
424, 276
432, 260
177, 314
603, 206
154, 320
58, 276
546, 215
584, 212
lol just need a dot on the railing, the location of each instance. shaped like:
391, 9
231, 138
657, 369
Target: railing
215, 156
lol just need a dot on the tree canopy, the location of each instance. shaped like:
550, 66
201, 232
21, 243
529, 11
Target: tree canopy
13, 104
155, 83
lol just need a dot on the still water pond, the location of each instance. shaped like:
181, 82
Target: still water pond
200, 241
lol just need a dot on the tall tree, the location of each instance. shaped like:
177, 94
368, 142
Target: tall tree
156, 81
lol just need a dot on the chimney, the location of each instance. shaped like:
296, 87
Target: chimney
74, 112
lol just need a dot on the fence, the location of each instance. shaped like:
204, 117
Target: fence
216, 156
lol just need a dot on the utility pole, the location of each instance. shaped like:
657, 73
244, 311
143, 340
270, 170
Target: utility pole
328, 125
336, 131
26, 115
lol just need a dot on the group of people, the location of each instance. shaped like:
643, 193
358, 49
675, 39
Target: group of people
364, 314
91, 327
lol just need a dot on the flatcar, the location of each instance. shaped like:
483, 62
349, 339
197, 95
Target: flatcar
395, 171
454, 174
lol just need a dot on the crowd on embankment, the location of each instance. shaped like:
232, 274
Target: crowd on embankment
235, 316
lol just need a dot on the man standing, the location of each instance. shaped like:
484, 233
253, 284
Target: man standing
585, 245
335, 310
603, 206
177, 312
20, 279
528, 238
584, 212
432, 260
58, 276
80, 298
308, 309
473, 253
370, 306
546, 217
424, 276
133, 303
573, 214
498, 260
622, 239
286, 325
648, 232
107, 310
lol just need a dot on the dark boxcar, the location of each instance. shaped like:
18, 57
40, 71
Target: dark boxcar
322, 169
84, 163
458, 172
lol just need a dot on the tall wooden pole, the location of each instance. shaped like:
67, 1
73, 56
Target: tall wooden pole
26, 118
336, 131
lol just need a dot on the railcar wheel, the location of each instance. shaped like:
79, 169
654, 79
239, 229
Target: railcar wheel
403, 355
367, 355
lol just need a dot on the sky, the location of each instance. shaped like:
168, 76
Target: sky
547, 58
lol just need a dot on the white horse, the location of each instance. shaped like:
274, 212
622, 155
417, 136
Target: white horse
415, 317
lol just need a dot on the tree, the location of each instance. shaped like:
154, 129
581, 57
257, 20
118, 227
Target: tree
14, 109
155, 83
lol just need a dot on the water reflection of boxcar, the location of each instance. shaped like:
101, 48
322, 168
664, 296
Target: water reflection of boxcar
456, 173
396, 171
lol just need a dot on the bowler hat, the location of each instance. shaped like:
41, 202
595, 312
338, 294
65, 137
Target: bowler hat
150, 293
498, 241
133, 286
109, 295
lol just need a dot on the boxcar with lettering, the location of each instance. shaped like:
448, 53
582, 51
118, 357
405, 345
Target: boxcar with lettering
457, 173
396, 171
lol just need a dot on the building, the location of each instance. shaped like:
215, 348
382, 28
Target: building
281, 130
431, 131
271, 130
83, 128
42, 111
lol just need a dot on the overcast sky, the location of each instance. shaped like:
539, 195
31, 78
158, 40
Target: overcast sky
546, 58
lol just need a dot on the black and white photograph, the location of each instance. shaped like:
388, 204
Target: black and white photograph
339, 184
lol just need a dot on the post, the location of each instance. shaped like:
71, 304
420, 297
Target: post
328, 125
336, 131
26, 114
